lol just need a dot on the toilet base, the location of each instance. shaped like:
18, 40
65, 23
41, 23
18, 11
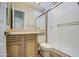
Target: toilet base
44, 53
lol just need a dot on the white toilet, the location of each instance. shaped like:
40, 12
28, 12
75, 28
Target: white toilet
44, 49
43, 46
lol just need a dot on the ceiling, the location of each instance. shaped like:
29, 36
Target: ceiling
42, 6
46, 5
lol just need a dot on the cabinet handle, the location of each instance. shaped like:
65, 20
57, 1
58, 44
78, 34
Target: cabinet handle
6, 33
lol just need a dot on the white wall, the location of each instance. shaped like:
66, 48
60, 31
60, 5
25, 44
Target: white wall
64, 38
2, 29
40, 22
40, 25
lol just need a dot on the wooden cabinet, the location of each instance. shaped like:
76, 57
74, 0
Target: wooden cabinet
14, 49
22, 45
30, 48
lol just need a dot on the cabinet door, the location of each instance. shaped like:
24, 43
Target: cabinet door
30, 48
14, 49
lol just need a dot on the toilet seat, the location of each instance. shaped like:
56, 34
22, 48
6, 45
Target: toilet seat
44, 49
45, 46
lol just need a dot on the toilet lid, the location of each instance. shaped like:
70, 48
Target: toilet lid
45, 45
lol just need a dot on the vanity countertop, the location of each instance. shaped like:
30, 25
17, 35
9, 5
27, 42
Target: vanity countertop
13, 32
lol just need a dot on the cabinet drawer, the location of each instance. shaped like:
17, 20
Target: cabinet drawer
30, 37
12, 38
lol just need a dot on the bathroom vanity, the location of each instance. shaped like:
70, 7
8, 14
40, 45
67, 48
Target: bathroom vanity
21, 43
